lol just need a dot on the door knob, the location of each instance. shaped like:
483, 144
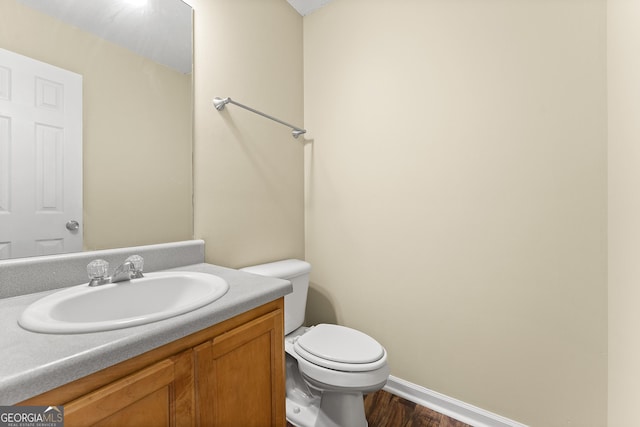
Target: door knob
72, 225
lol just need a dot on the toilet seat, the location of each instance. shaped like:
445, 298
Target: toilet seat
340, 348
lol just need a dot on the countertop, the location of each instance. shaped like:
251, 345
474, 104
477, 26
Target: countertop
32, 363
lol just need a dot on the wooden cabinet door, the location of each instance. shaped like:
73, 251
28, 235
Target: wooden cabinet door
159, 395
240, 376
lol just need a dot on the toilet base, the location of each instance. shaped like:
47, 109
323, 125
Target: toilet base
303, 403
301, 415
334, 410
341, 409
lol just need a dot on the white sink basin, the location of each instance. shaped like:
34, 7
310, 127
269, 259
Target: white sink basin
154, 297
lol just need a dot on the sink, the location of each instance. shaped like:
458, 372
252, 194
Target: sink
156, 296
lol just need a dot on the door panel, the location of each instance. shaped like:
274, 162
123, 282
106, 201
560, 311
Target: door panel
40, 157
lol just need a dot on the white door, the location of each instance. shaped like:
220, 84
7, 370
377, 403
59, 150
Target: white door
40, 158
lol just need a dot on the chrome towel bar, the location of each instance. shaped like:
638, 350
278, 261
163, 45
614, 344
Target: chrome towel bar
219, 103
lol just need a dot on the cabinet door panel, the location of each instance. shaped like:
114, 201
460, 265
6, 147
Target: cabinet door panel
147, 397
241, 376
156, 413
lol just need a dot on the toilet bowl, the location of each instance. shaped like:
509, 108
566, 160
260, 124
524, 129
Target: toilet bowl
329, 367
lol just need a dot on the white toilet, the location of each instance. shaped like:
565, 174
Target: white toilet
329, 367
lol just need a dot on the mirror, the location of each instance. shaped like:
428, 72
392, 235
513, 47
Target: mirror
135, 59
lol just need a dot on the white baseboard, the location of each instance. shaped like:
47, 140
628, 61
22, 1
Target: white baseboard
446, 405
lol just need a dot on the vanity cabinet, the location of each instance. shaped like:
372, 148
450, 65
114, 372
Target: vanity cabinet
229, 374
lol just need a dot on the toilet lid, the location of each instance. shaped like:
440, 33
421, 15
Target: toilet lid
333, 345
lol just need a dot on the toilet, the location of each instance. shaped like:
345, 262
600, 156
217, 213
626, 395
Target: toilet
329, 367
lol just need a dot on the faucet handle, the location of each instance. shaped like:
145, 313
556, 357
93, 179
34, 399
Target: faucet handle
137, 261
98, 268
98, 271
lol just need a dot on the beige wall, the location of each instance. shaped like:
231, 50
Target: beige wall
137, 129
456, 195
248, 171
623, 35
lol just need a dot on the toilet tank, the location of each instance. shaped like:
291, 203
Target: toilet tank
295, 303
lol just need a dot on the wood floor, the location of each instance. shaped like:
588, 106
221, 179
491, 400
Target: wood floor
387, 410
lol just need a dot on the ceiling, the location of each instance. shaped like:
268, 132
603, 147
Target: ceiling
305, 7
157, 29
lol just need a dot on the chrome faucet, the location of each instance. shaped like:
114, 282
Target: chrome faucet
130, 269
125, 271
